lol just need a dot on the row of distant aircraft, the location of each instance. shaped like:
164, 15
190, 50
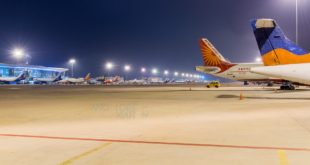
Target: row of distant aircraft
59, 80
283, 61
86, 80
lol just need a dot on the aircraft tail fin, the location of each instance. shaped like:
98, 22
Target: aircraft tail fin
87, 77
212, 57
22, 76
58, 77
274, 46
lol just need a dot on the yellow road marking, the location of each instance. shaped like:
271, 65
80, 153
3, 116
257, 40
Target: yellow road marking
282, 157
71, 160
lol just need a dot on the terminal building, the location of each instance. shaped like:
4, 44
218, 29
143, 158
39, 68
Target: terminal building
14, 73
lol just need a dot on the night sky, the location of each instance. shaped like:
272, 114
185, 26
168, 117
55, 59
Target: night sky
150, 33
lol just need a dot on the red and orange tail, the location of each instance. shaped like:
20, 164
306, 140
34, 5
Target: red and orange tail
212, 57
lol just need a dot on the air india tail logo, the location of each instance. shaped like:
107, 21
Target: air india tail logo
212, 57
209, 53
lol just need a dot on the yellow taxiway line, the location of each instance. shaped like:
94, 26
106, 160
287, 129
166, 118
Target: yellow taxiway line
71, 160
282, 157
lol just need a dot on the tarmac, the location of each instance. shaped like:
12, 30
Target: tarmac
139, 125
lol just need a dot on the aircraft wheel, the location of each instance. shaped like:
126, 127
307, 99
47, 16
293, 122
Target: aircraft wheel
246, 83
270, 84
291, 87
287, 87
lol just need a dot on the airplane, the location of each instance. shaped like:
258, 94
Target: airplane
75, 80
155, 80
215, 64
8, 80
282, 58
110, 80
137, 82
93, 81
47, 80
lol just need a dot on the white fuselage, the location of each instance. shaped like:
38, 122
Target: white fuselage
8, 79
136, 81
293, 72
239, 72
45, 79
73, 80
12, 79
52, 79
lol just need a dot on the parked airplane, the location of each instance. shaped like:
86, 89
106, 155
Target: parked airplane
215, 64
282, 58
8, 80
47, 80
112, 80
137, 82
75, 80
155, 80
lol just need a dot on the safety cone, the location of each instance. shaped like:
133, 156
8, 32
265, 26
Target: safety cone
241, 96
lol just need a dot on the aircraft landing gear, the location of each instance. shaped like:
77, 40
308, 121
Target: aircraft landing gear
287, 87
245, 83
269, 84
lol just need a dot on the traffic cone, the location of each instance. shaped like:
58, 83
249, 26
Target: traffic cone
241, 96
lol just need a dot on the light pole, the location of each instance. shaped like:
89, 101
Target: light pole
127, 69
109, 66
27, 58
166, 73
296, 21
258, 60
143, 70
72, 61
154, 71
